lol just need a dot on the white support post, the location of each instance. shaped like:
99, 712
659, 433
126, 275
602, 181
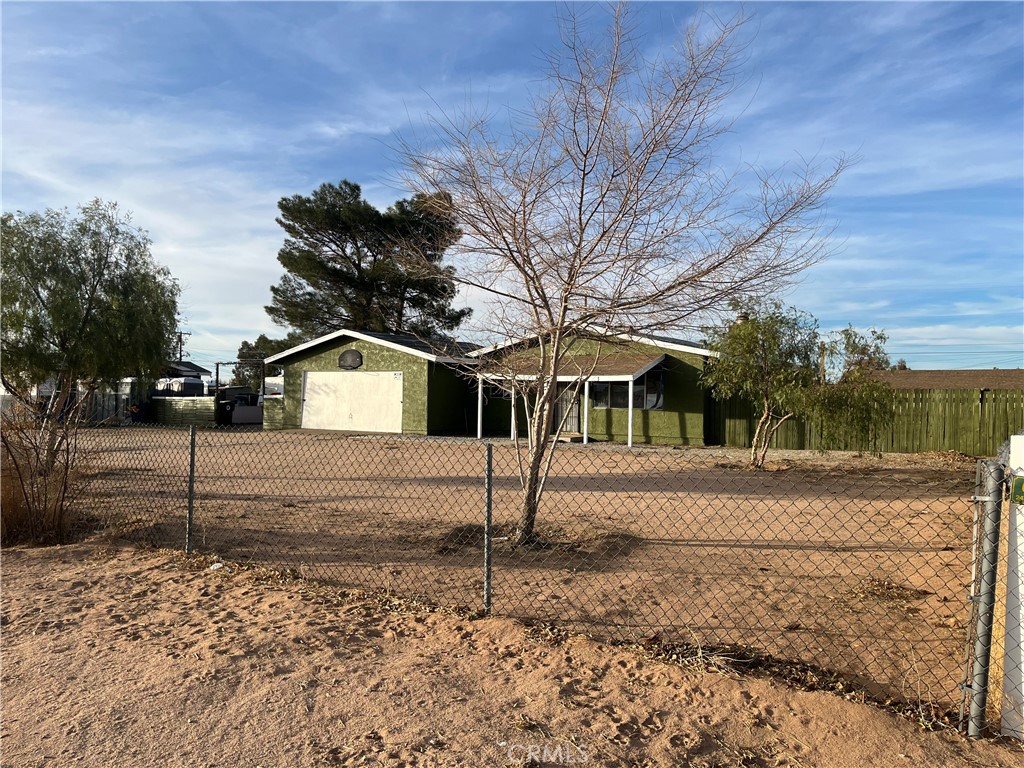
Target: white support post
1012, 709
512, 427
479, 407
586, 411
629, 441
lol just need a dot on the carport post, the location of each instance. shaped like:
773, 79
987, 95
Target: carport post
191, 487
479, 407
629, 441
512, 427
586, 411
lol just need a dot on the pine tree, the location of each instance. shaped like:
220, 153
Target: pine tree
348, 265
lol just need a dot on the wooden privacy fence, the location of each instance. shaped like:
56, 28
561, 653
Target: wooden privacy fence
971, 421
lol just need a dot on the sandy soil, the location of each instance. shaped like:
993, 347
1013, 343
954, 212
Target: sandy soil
118, 656
856, 564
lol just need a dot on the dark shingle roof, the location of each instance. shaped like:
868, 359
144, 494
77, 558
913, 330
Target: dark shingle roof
994, 378
185, 368
430, 347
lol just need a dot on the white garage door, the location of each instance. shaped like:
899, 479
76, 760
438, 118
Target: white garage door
355, 400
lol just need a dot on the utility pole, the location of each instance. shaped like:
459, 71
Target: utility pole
181, 344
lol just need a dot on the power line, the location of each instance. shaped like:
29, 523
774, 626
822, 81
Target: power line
951, 353
930, 344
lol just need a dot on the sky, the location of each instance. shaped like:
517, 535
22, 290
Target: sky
199, 117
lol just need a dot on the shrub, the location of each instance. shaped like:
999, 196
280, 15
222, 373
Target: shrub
39, 465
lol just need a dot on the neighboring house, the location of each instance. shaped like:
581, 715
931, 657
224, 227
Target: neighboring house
184, 369
128, 399
636, 389
375, 382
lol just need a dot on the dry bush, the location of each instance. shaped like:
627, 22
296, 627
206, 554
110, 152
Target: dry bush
14, 516
40, 475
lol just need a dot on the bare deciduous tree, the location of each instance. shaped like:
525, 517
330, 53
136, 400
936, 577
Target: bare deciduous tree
601, 209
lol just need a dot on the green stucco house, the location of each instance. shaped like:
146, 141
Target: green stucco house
636, 389
374, 382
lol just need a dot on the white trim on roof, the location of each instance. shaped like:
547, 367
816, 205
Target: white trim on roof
499, 345
372, 340
637, 338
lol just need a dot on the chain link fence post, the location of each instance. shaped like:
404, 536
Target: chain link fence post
488, 493
986, 598
191, 487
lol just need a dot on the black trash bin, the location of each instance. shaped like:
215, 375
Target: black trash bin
222, 414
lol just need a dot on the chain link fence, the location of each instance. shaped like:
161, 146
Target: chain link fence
848, 565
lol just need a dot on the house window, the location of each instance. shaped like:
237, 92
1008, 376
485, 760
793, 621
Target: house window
648, 393
619, 394
654, 390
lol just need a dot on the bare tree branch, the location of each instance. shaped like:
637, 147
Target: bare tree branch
602, 206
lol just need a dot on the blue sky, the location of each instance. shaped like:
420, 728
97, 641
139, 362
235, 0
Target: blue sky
199, 117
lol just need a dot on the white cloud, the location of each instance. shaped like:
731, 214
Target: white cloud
956, 335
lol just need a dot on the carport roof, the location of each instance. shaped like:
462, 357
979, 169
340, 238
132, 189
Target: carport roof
613, 367
434, 351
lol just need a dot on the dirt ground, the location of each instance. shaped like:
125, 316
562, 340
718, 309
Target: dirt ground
856, 564
120, 656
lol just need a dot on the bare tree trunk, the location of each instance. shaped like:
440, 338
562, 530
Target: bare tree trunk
769, 432
58, 423
540, 443
49, 427
540, 446
525, 535
756, 453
